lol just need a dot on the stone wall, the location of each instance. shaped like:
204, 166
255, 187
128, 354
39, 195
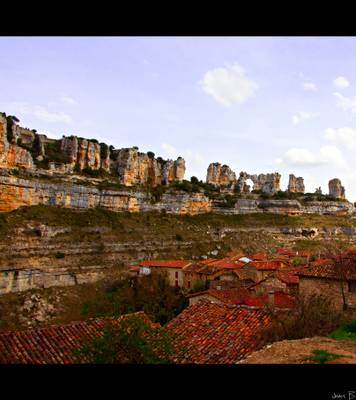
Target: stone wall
327, 287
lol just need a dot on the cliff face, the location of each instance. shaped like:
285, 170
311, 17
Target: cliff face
296, 185
12, 155
16, 192
23, 148
336, 190
220, 175
135, 168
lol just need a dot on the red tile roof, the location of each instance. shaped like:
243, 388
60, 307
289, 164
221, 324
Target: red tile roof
287, 278
50, 345
265, 265
210, 333
328, 271
166, 263
227, 296
281, 300
226, 263
261, 256
286, 252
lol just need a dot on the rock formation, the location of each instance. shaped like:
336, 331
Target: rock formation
336, 190
266, 183
12, 155
22, 147
220, 175
136, 168
296, 185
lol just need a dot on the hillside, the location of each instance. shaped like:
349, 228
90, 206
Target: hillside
299, 351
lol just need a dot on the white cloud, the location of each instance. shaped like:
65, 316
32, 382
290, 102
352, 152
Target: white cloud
170, 150
344, 136
68, 100
39, 112
341, 83
309, 86
192, 158
327, 155
303, 116
228, 85
346, 103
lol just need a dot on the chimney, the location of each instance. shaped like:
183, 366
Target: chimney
271, 298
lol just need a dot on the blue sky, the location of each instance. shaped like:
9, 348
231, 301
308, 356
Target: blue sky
258, 104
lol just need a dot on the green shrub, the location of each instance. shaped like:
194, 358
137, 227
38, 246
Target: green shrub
323, 356
345, 331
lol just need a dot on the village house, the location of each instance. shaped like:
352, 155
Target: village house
172, 268
325, 278
258, 270
284, 281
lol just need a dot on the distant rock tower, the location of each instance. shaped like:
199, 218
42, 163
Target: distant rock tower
336, 189
296, 185
220, 175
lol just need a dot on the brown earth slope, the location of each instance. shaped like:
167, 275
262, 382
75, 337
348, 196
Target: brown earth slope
296, 351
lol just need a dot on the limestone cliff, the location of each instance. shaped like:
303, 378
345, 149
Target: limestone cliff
336, 190
24, 148
296, 185
220, 175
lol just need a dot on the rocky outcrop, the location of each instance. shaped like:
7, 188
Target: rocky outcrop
220, 175
266, 183
12, 155
336, 190
296, 185
16, 192
136, 168
69, 148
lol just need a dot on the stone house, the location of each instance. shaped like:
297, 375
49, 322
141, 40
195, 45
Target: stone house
324, 279
259, 270
281, 281
172, 268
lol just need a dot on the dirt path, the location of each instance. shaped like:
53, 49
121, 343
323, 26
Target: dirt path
295, 351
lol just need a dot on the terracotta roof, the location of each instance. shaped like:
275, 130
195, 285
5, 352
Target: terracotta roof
281, 300
303, 253
329, 272
50, 345
322, 261
287, 277
265, 265
286, 252
166, 263
261, 256
210, 333
227, 296
226, 263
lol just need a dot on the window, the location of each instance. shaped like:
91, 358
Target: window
176, 283
188, 284
177, 275
352, 287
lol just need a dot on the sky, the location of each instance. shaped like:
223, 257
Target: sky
257, 104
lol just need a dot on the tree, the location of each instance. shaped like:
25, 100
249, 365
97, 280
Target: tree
151, 155
194, 180
129, 340
312, 315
